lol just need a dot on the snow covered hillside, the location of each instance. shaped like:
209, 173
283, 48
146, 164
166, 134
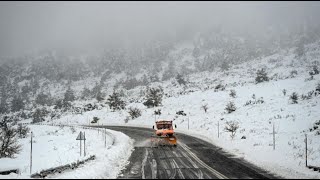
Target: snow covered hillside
257, 107
56, 146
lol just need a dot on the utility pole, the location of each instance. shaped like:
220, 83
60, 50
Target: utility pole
84, 140
188, 120
31, 154
80, 143
218, 129
155, 119
105, 138
274, 139
306, 140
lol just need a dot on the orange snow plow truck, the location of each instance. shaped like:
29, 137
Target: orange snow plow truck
164, 133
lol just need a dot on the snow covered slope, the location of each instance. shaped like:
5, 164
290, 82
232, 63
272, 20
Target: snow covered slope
253, 140
56, 146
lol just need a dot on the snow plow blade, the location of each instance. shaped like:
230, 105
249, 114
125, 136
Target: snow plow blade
163, 141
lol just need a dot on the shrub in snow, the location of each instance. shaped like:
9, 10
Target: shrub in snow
230, 107
22, 130
95, 120
181, 113
294, 98
157, 112
39, 114
180, 79
233, 93
73, 130
134, 112
261, 76
89, 107
293, 73
205, 107
284, 91
316, 126
8, 141
318, 88
314, 70
219, 87
243, 137
308, 96
254, 101
126, 120
153, 97
115, 102
232, 127
309, 79
224, 66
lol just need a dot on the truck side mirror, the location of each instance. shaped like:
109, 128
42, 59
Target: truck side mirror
152, 127
175, 126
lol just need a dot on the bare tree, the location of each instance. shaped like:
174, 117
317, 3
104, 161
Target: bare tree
284, 91
205, 107
232, 127
233, 93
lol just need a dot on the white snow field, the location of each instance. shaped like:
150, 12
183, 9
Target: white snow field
256, 121
56, 146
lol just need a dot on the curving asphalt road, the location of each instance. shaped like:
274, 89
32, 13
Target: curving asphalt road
193, 158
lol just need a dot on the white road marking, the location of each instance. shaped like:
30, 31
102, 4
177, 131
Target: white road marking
144, 164
219, 175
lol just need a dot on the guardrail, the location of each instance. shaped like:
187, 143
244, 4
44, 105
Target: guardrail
60, 169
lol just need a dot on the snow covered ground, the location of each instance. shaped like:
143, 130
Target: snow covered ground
55, 146
256, 121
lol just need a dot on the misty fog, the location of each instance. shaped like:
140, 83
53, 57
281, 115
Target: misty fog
90, 27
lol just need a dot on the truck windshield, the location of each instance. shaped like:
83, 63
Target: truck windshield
164, 126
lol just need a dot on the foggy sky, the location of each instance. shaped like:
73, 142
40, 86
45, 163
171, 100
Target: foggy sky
91, 26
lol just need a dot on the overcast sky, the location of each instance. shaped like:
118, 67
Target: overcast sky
28, 26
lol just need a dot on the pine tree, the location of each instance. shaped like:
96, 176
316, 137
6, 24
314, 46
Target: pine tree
42, 99
180, 79
153, 97
99, 96
85, 95
3, 101
17, 104
224, 65
96, 89
115, 102
261, 76
8, 141
69, 95
38, 115
196, 52
169, 73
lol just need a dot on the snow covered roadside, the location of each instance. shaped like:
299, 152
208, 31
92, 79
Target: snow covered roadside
55, 146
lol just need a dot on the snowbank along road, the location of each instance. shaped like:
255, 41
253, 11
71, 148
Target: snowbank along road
191, 159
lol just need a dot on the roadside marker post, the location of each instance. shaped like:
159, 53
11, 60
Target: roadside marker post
80, 137
31, 154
